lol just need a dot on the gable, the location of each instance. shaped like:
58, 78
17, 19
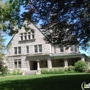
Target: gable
39, 37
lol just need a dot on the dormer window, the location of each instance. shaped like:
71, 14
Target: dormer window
21, 36
27, 35
33, 35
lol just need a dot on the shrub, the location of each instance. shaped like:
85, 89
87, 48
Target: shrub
70, 69
44, 71
16, 72
53, 71
4, 70
81, 66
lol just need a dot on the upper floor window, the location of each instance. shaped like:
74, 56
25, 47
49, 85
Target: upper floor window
61, 49
27, 35
21, 36
38, 48
27, 49
17, 63
17, 50
76, 48
71, 48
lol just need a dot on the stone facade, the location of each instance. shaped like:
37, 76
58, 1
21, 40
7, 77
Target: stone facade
29, 51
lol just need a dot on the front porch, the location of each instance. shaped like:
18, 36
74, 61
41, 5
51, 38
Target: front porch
51, 61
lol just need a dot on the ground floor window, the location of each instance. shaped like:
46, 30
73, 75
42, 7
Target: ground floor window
17, 63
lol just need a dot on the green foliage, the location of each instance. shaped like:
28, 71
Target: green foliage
70, 69
53, 71
4, 70
16, 72
81, 66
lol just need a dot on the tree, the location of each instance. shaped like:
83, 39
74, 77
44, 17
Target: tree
2, 50
69, 20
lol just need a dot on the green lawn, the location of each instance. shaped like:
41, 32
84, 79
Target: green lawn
44, 82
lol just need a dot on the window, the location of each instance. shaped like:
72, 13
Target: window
27, 49
35, 48
17, 50
21, 36
75, 48
33, 35
17, 63
71, 48
61, 49
27, 35
38, 48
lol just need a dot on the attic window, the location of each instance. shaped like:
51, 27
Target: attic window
27, 35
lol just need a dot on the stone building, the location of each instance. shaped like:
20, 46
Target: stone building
28, 51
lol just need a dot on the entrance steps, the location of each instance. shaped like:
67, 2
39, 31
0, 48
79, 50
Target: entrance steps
33, 72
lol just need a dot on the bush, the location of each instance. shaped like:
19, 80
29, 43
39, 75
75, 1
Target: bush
4, 70
70, 69
81, 66
16, 72
53, 71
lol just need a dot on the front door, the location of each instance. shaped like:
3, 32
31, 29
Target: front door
34, 65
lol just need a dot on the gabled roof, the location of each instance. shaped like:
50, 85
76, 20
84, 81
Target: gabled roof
35, 26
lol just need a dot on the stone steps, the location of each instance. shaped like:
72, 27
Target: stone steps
29, 73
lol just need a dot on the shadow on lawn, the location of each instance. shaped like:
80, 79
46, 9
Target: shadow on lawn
64, 82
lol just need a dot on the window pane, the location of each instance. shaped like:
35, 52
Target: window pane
33, 35
19, 63
71, 48
19, 50
15, 63
21, 36
40, 48
27, 49
29, 37
35, 48
15, 50
25, 36
61, 49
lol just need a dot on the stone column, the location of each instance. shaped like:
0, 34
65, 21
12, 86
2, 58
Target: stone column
49, 63
38, 65
83, 59
65, 63
28, 65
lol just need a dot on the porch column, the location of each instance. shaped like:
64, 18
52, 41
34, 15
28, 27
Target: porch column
38, 65
65, 63
83, 59
49, 63
28, 65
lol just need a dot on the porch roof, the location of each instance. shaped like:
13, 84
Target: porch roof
70, 55
37, 57
56, 56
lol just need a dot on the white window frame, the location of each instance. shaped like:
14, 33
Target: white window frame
38, 48
17, 50
18, 63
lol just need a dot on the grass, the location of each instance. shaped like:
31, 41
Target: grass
44, 82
